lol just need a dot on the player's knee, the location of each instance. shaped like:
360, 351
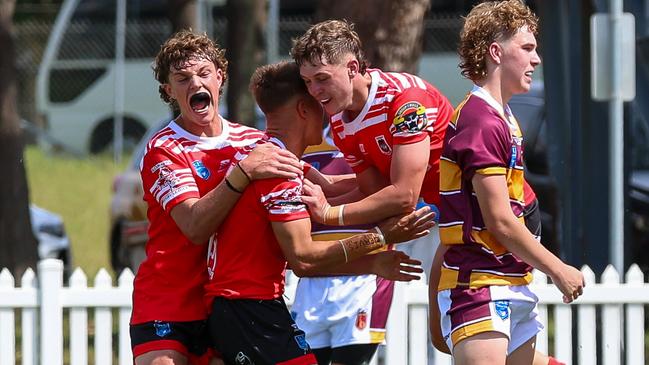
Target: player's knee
161, 357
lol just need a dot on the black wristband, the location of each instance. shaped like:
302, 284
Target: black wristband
232, 187
244, 171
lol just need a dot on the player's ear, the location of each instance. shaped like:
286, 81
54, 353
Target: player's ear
167, 90
219, 76
301, 107
495, 52
353, 67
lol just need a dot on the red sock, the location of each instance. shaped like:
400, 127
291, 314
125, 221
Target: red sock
554, 361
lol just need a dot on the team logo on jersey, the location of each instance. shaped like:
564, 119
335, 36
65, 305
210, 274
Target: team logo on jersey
201, 170
409, 118
361, 319
383, 144
167, 178
160, 165
223, 165
301, 341
502, 308
242, 359
518, 140
162, 329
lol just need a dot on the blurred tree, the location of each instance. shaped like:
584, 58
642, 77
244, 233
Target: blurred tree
246, 22
18, 246
391, 30
182, 14
244, 48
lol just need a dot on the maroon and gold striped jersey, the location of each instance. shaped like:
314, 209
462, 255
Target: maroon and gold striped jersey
482, 138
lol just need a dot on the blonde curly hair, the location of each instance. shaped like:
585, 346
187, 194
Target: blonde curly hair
182, 47
486, 23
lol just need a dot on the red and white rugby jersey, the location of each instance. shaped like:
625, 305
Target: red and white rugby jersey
177, 166
400, 109
244, 257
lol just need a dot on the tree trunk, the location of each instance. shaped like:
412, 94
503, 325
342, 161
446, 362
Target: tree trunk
246, 19
182, 14
391, 30
18, 246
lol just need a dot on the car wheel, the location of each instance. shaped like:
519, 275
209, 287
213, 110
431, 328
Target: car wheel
102, 137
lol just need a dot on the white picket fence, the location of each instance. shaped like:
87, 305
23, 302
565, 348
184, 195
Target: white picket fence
41, 307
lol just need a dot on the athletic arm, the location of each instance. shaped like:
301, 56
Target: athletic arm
407, 170
199, 218
305, 256
332, 185
434, 314
493, 198
392, 265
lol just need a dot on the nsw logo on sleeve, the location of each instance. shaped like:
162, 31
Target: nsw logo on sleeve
409, 118
201, 170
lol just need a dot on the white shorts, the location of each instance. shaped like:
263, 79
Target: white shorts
342, 310
510, 310
422, 249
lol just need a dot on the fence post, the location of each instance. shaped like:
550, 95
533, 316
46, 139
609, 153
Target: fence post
611, 321
29, 322
586, 316
635, 320
396, 350
125, 282
7, 323
417, 329
78, 322
103, 323
50, 272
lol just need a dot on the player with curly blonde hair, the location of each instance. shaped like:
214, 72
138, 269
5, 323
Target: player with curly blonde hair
488, 311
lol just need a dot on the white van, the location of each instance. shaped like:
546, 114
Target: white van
76, 79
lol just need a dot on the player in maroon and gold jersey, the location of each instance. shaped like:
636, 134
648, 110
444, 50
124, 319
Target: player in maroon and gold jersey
488, 311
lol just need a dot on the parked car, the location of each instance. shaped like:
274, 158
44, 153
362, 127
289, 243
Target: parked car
53, 241
128, 220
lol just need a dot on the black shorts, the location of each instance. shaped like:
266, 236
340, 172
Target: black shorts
260, 332
188, 338
532, 215
349, 355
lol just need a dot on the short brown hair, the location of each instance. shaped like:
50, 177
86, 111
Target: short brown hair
487, 23
275, 84
328, 42
187, 46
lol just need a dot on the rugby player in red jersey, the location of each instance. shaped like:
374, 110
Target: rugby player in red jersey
183, 171
270, 226
389, 125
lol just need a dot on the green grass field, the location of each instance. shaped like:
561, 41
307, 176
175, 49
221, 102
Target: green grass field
80, 191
